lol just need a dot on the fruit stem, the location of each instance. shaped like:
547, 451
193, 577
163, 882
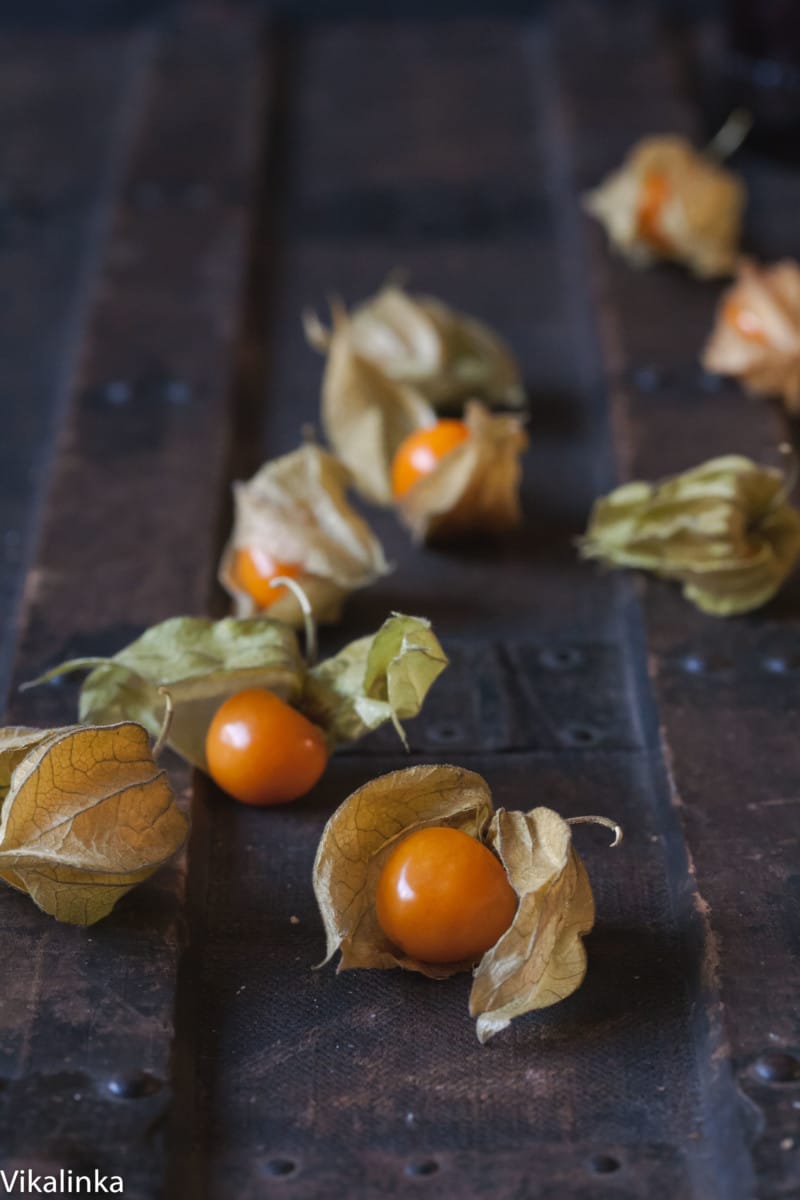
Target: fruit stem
609, 824
166, 724
727, 140
309, 623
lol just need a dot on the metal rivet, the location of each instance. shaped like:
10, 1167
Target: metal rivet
701, 664
118, 392
777, 1067
177, 391
279, 1168
581, 735
778, 664
446, 732
603, 1164
135, 1087
562, 659
424, 1168
649, 378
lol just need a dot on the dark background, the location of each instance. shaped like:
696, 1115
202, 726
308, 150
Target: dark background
97, 13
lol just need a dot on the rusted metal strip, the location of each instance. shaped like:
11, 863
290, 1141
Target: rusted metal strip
129, 537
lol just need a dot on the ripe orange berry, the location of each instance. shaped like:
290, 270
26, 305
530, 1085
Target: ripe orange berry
653, 197
254, 570
744, 321
443, 897
262, 751
422, 452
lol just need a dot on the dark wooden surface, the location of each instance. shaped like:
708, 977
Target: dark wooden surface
170, 200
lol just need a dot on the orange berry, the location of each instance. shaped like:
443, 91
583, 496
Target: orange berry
422, 452
443, 897
262, 751
744, 321
254, 569
654, 195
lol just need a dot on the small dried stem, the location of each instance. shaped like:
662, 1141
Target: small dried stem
310, 625
166, 724
609, 824
729, 138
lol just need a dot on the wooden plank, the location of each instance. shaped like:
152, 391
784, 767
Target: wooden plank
57, 167
129, 536
305, 1084
726, 691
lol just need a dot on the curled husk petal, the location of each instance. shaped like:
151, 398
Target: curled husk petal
475, 487
200, 663
756, 336
724, 530
538, 961
541, 958
86, 815
384, 677
359, 838
698, 220
295, 510
445, 355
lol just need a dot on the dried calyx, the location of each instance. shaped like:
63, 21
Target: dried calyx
670, 201
756, 336
85, 815
382, 677
725, 530
293, 518
540, 958
393, 365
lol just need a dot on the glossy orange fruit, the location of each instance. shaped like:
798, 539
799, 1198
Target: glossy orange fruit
654, 195
744, 321
262, 751
254, 570
422, 452
443, 897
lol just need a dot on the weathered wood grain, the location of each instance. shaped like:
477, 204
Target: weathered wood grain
726, 691
129, 536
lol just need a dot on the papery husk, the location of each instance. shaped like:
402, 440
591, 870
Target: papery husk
383, 677
86, 815
366, 415
417, 340
295, 509
538, 961
541, 959
768, 367
475, 487
360, 836
724, 530
197, 664
700, 221
200, 663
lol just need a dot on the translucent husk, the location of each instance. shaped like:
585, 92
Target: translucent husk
538, 961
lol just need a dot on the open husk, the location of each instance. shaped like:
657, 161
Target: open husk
394, 362
198, 664
669, 201
475, 486
756, 337
538, 961
295, 510
85, 815
724, 530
